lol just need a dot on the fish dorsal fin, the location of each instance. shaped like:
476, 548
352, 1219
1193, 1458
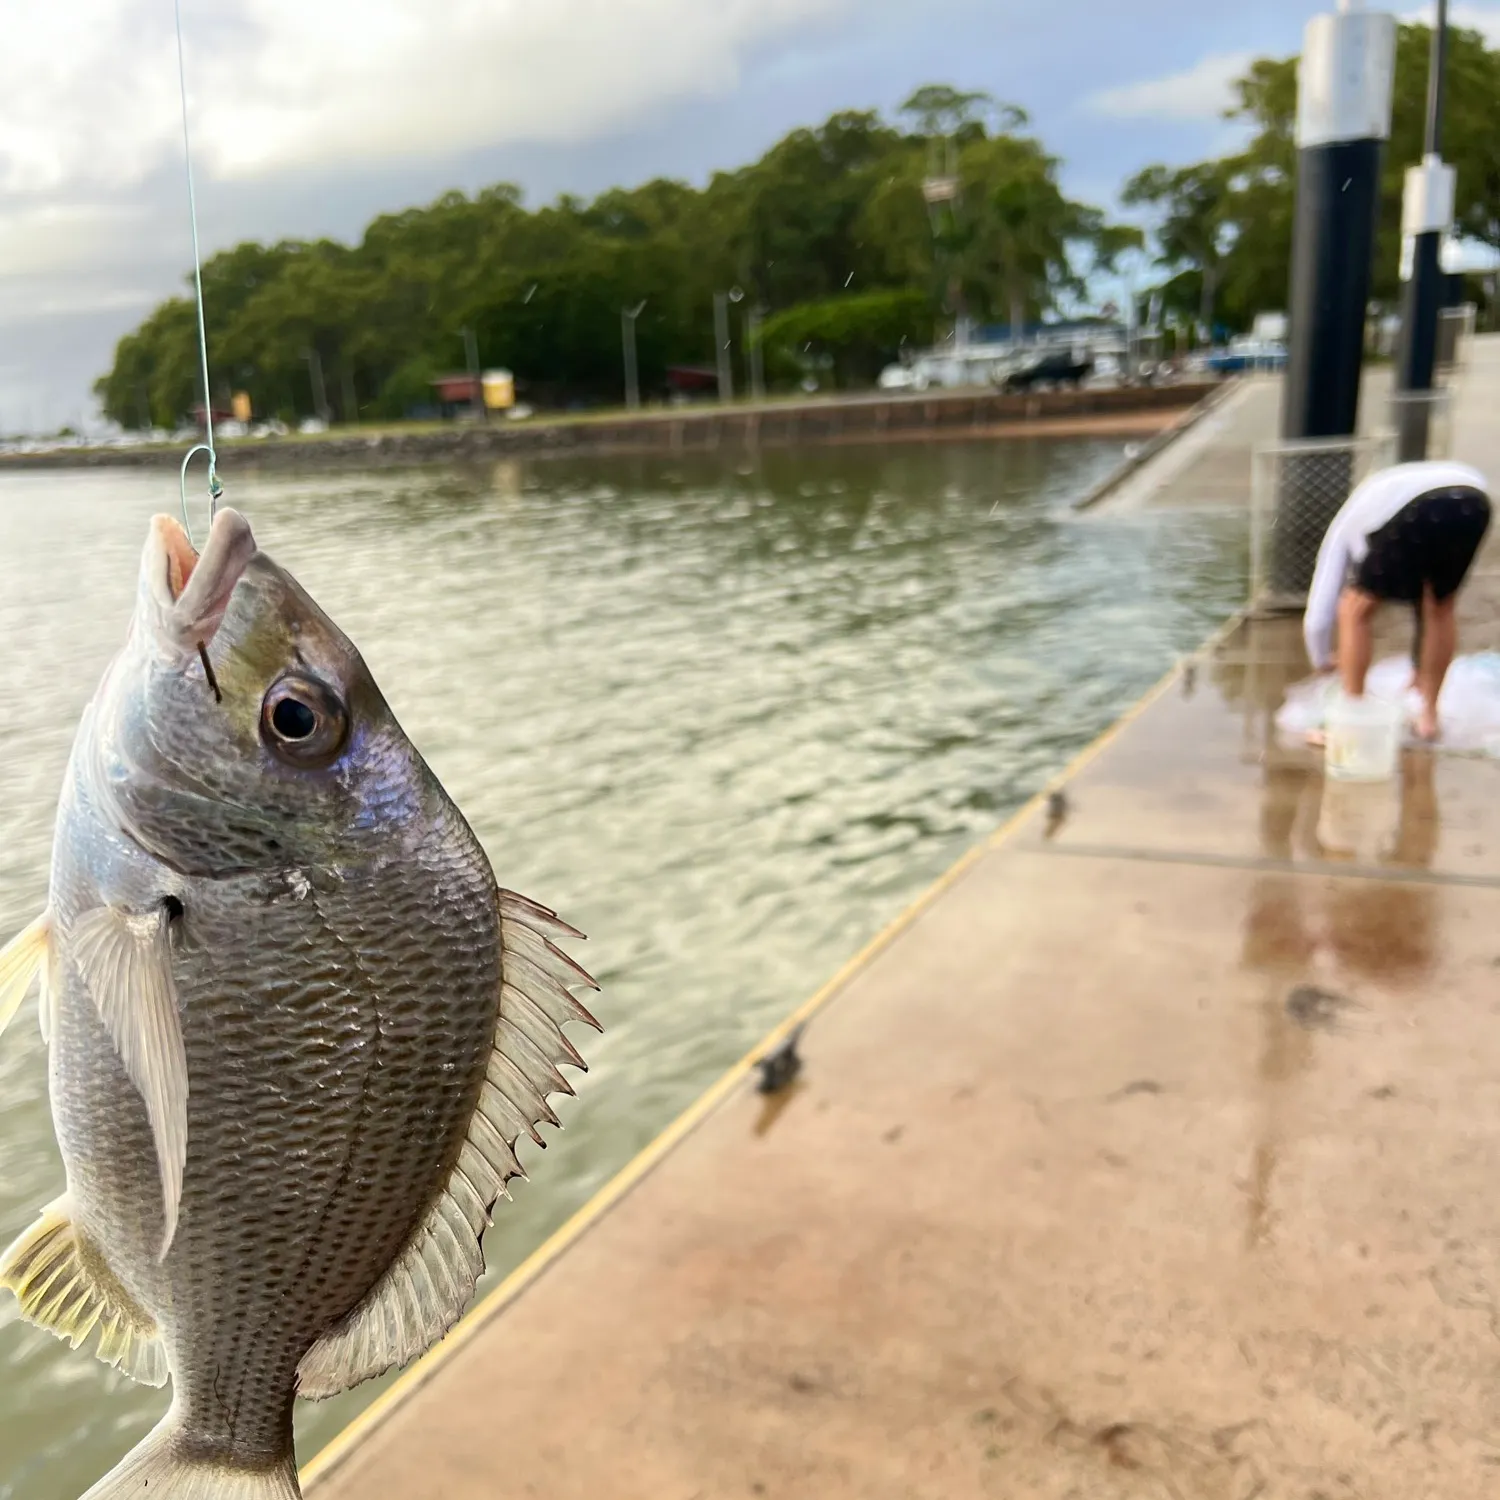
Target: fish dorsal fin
24, 958
64, 1285
126, 962
428, 1287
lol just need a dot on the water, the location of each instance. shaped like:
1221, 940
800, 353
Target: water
728, 720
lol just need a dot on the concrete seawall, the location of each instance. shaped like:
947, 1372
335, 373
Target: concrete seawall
958, 414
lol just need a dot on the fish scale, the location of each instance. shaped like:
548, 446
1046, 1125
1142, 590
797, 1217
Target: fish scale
287, 1081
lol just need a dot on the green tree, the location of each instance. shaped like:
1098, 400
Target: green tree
831, 218
861, 334
1191, 230
1250, 194
939, 112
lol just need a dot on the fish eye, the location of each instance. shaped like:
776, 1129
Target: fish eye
303, 722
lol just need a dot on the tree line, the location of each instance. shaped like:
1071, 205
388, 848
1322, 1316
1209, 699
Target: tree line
848, 242
829, 238
1223, 227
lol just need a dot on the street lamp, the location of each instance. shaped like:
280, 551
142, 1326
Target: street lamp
721, 337
314, 364
942, 193
471, 353
628, 315
755, 355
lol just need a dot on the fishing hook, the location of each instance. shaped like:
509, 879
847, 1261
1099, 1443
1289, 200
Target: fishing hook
215, 489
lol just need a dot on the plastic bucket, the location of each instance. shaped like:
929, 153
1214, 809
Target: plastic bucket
1363, 737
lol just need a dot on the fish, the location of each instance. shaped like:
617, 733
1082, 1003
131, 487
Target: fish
295, 1028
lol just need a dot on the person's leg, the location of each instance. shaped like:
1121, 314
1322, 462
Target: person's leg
1355, 646
1439, 642
1356, 638
1447, 530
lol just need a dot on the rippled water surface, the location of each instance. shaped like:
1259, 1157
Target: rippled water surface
728, 718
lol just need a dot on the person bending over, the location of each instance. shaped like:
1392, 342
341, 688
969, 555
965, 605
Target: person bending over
1407, 535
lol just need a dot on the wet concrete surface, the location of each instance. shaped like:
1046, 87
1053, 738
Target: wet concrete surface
1210, 467
1236, 791
1157, 1157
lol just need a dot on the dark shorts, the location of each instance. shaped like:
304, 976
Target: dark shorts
1429, 542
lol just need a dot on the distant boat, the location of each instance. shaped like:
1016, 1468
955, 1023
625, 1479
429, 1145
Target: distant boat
1246, 354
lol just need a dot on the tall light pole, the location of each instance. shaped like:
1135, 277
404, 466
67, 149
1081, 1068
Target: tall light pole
941, 190
721, 338
476, 387
628, 315
314, 364
755, 355
1426, 217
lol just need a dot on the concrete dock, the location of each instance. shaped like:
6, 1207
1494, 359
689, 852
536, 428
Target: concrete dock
1152, 1154
1209, 466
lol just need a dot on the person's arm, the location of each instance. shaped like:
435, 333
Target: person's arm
1323, 597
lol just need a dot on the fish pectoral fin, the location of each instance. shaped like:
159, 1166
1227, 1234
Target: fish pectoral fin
25, 958
426, 1290
64, 1285
126, 962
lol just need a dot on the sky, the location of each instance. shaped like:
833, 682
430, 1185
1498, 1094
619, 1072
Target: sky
309, 117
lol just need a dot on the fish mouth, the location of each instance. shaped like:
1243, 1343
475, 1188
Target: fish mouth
193, 589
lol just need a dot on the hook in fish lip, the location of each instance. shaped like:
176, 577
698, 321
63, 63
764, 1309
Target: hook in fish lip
208, 672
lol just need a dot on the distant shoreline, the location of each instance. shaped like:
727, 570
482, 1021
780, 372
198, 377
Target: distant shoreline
981, 415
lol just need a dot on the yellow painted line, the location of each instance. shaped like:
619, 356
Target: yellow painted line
336, 1452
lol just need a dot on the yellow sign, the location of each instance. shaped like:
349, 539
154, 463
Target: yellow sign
499, 389
240, 404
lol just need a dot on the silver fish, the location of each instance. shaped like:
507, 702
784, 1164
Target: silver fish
295, 1029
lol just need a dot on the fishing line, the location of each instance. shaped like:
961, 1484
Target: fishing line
215, 489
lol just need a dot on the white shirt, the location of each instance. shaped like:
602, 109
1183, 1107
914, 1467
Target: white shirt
1347, 541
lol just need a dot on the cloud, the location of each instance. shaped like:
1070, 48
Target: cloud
1205, 90
88, 92
306, 120
1202, 92
1484, 19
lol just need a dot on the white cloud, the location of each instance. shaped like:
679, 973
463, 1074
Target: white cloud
88, 91
1481, 18
1206, 90
55, 239
1202, 92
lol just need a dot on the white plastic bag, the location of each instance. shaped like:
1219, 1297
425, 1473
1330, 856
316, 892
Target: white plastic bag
1468, 707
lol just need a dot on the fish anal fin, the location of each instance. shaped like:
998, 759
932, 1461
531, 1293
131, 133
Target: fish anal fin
425, 1291
64, 1285
126, 962
414, 1304
22, 960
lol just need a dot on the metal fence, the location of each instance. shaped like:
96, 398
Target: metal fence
1454, 331
1419, 424
1296, 490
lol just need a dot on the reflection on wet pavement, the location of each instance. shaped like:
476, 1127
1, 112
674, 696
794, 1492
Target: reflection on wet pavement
772, 1106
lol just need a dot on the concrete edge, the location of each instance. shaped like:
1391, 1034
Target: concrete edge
1153, 447
340, 1448
866, 418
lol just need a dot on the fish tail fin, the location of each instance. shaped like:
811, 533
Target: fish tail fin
158, 1469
